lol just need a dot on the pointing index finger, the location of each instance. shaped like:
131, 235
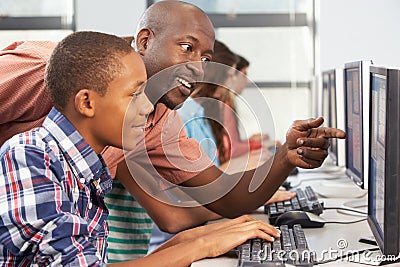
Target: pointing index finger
334, 133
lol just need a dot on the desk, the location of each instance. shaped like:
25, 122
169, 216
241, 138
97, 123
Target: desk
340, 239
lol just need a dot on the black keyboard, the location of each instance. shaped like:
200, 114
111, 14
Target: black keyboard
305, 200
290, 248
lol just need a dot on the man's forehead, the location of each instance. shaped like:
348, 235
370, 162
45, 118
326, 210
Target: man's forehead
195, 31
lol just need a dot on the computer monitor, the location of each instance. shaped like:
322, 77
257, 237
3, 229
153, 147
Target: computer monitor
325, 98
384, 170
356, 92
333, 111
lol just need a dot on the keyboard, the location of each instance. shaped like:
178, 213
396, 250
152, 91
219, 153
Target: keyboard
290, 248
305, 200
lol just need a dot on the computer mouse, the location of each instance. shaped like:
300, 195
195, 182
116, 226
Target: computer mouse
295, 171
305, 219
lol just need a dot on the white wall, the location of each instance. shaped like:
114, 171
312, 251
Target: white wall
352, 30
117, 17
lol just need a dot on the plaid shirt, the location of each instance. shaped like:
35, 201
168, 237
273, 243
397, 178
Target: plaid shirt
52, 186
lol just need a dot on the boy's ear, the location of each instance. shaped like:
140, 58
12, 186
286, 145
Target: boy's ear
142, 40
85, 103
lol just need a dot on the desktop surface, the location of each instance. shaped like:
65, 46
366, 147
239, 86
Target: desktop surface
336, 239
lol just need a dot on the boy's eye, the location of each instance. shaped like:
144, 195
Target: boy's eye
205, 59
137, 93
186, 47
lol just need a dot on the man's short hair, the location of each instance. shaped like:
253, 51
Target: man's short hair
84, 60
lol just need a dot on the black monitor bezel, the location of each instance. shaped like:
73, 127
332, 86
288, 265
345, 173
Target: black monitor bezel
359, 181
390, 244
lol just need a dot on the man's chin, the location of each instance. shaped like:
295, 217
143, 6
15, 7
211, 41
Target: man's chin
175, 103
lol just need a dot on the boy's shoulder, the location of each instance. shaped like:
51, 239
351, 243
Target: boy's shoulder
36, 139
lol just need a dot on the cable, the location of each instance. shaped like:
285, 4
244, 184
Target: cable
346, 255
350, 222
315, 179
342, 208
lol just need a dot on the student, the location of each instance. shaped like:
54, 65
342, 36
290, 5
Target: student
165, 39
54, 179
230, 144
241, 82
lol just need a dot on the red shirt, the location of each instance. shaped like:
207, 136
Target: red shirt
24, 102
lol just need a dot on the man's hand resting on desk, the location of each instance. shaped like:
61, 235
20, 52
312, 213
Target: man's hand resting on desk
218, 238
307, 143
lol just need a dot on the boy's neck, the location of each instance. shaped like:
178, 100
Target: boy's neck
82, 125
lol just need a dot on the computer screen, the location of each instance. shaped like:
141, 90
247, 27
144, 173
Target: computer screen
325, 98
356, 87
333, 111
384, 170
332, 119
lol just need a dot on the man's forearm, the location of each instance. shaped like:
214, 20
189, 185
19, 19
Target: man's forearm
171, 219
245, 196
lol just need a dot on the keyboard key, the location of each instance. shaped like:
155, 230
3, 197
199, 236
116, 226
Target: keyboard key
310, 193
290, 248
305, 200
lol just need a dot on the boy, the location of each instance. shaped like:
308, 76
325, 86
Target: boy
53, 179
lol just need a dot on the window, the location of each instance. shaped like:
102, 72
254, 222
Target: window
278, 38
35, 20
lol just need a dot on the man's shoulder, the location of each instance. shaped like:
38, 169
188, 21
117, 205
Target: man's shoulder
37, 49
161, 114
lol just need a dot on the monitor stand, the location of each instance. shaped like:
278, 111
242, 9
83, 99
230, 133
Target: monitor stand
370, 240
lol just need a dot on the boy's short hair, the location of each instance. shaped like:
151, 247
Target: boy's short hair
84, 60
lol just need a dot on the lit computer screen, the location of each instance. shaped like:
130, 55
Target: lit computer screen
329, 108
325, 98
356, 87
332, 117
377, 156
383, 191
354, 130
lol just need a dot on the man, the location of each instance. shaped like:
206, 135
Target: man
171, 33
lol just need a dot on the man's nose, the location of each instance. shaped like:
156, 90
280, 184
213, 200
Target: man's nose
197, 68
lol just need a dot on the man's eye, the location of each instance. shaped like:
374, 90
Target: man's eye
206, 59
186, 47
